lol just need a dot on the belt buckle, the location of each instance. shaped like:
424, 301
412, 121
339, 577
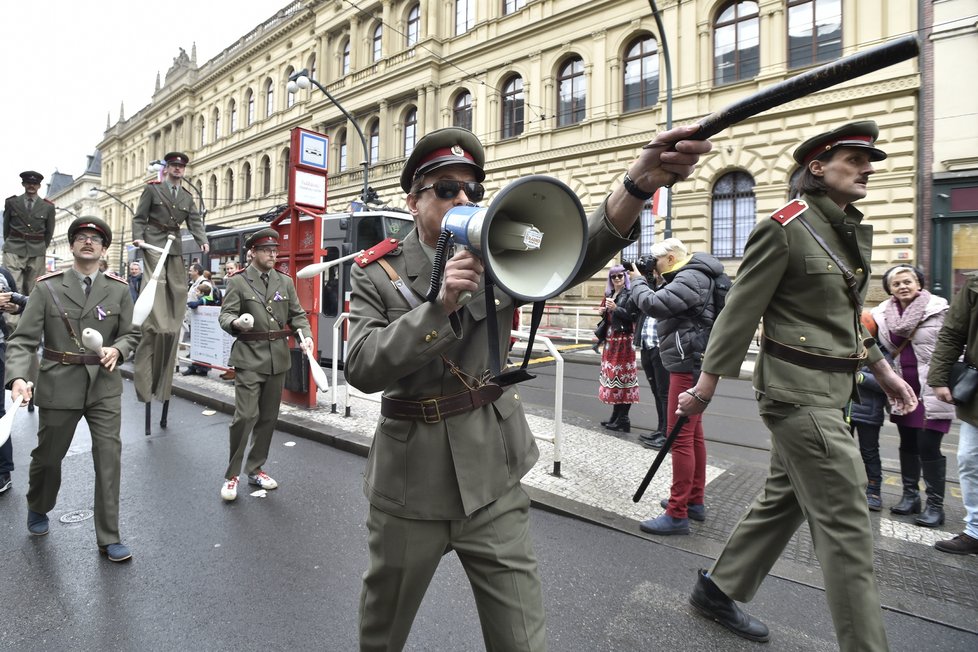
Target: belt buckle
424, 412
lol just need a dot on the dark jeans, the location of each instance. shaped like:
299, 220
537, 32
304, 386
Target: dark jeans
869, 448
7, 450
658, 379
921, 441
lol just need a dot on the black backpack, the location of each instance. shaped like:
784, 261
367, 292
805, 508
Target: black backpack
719, 287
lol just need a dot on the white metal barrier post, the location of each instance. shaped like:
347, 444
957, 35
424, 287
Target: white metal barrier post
337, 330
557, 437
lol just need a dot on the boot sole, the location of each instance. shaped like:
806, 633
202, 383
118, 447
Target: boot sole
706, 613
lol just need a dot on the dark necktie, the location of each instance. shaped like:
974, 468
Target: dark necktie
88, 285
264, 279
30, 205
173, 192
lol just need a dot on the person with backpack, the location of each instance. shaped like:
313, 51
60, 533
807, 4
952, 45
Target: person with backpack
684, 309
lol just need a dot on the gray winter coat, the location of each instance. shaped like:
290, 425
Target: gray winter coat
683, 309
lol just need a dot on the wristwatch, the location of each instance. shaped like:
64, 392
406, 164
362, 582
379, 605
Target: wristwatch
634, 190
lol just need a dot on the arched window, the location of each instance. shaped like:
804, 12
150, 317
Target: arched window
735, 43
413, 25
289, 95
212, 188
345, 58
410, 130
734, 212
641, 67
512, 106
311, 66
378, 41
246, 177
251, 107
814, 31
266, 176
341, 139
464, 16
269, 98
374, 140
232, 116
286, 163
202, 129
571, 93
229, 184
216, 123
462, 110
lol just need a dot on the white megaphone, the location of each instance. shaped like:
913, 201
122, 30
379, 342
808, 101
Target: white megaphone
532, 237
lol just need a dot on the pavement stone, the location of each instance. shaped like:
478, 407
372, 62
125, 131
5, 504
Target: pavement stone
600, 473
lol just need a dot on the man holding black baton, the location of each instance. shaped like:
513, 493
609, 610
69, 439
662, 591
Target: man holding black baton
805, 271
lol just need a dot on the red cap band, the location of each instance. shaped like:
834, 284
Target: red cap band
856, 141
454, 150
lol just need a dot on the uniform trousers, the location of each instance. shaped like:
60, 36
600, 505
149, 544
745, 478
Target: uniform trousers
816, 475
54, 434
688, 453
257, 398
493, 545
24, 269
156, 353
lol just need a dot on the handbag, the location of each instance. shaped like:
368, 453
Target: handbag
601, 330
964, 382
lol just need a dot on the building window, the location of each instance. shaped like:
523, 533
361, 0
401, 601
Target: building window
462, 111
378, 50
289, 95
512, 122
202, 128
512, 6
413, 26
464, 16
311, 66
246, 176
735, 43
641, 74
374, 140
646, 237
232, 117
343, 151
266, 176
814, 31
269, 98
571, 93
216, 124
410, 130
345, 58
251, 108
229, 182
734, 212
212, 188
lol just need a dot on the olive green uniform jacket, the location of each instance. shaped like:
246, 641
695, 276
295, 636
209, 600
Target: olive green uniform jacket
790, 281
273, 310
448, 469
960, 331
17, 219
158, 216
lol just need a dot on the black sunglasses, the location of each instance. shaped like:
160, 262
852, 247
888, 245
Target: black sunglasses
449, 189
617, 276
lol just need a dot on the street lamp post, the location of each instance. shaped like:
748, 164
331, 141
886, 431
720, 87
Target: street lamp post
302, 79
93, 193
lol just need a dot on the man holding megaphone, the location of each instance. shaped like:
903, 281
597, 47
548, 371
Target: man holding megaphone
451, 447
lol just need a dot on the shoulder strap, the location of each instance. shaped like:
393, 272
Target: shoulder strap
847, 275
399, 284
64, 316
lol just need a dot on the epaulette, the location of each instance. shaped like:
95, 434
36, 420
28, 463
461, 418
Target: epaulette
379, 250
49, 275
237, 271
153, 182
789, 211
49, 201
11, 197
116, 277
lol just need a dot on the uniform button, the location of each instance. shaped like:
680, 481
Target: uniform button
859, 270
497, 302
434, 334
828, 267
427, 338
801, 339
516, 396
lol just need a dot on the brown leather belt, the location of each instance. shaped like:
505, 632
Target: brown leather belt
33, 237
811, 360
67, 357
262, 336
433, 410
172, 228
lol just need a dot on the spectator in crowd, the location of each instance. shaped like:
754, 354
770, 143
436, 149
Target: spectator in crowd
215, 291
195, 276
865, 421
103, 265
647, 343
202, 296
960, 336
619, 371
908, 323
684, 312
230, 267
11, 302
135, 278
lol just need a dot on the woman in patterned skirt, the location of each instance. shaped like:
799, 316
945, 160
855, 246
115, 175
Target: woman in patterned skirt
619, 371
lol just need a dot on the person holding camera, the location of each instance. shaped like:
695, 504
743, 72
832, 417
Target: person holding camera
684, 312
619, 371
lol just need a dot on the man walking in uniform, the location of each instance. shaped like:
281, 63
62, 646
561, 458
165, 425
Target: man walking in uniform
11, 303
75, 382
164, 207
805, 271
448, 454
260, 356
28, 226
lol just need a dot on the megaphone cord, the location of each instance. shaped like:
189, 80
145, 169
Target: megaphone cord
438, 265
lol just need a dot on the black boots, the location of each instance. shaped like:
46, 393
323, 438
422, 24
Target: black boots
615, 413
910, 472
933, 471
623, 424
713, 603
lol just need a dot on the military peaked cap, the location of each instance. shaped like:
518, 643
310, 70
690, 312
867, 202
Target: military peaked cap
855, 134
442, 147
262, 238
30, 176
93, 223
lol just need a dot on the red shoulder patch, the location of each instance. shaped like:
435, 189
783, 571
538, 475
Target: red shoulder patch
153, 182
49, 201
116, 277
236, 272
49, 275
379, 250
789, 211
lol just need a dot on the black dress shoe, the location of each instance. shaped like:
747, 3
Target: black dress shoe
713, 603
190, 371
656, 442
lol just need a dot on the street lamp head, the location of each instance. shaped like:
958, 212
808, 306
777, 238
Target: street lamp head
155, 166
292, 86
93, 193
303, 82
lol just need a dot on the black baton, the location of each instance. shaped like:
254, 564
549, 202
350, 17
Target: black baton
680, 422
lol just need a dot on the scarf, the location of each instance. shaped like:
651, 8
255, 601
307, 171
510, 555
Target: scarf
903, 322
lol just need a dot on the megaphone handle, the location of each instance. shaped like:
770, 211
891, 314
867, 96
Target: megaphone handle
438, 265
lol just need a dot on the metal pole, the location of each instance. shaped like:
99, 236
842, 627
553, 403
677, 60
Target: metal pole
667, 228
122, 238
